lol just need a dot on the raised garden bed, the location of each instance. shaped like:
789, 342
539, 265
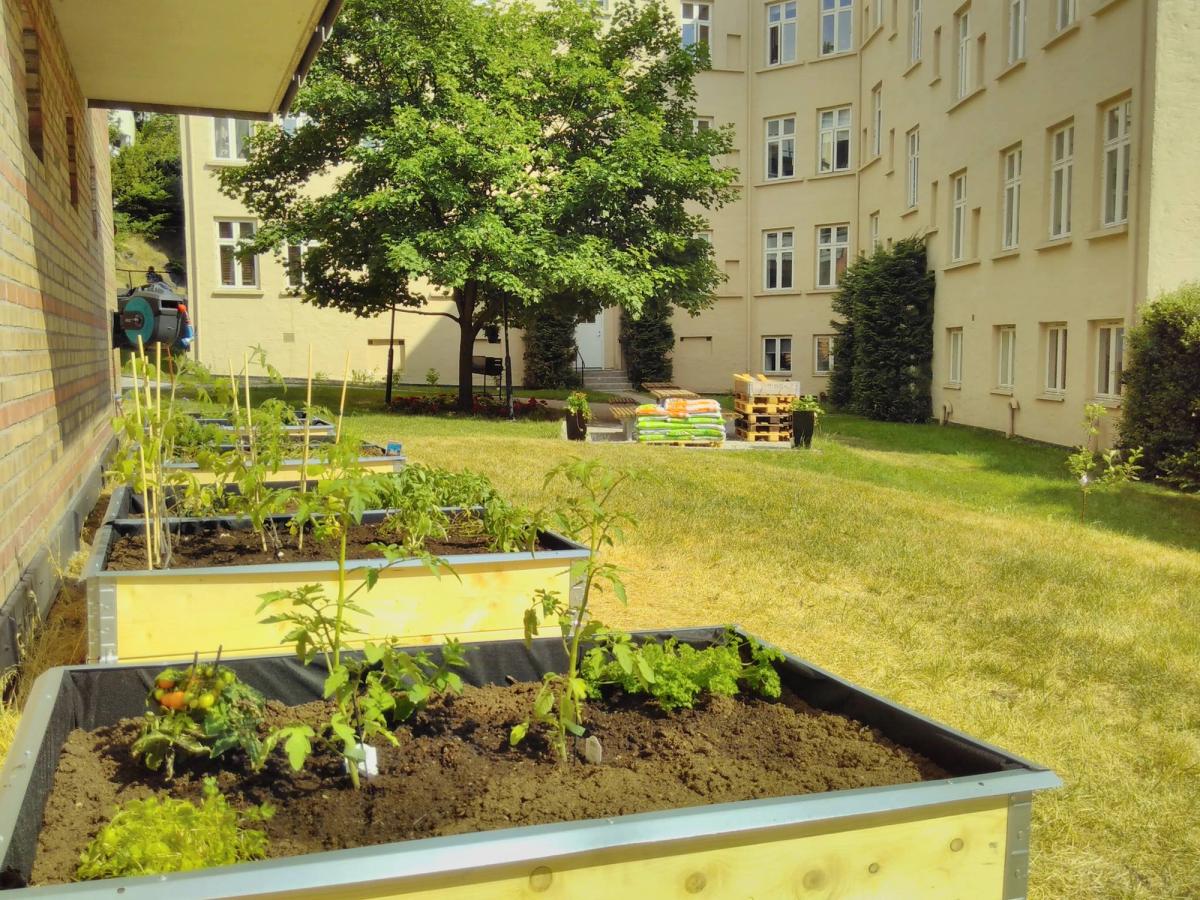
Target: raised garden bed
372, 458
318, 426
829, 791
209, 596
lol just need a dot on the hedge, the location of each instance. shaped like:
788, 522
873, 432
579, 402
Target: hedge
647, 343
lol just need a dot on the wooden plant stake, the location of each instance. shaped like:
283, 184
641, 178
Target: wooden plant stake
137, 409
155, 462
250, 433
307, 425
337, 438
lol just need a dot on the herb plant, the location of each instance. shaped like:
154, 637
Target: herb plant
153, 836
577, 405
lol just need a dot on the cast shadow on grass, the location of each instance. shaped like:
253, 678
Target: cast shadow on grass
1136, 510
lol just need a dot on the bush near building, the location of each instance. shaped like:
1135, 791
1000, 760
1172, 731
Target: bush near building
647, 341
1162, 388
885, 339
550, 348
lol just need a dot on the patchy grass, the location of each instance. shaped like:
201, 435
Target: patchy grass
947, 569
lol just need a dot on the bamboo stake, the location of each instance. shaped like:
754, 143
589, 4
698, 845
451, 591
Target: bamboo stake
145, 433
160, 501
250, 434
337, 438
137, 409
307, 426
155, 469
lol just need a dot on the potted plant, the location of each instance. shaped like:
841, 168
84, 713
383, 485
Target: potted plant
579, 413
805, 411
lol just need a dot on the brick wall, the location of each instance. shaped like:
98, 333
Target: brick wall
56, 287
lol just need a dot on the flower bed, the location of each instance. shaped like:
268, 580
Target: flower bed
481, 405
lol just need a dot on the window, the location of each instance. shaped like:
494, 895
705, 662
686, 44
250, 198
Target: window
833, 249
1062, 166
236, 273
1007, 356
72, 162
837, 26
1110, 360
1016, 30
963, 29
954, 347
914, 30
230, 137
1117, 121
877, 120
295, 266
702, 123
913, 169
777, 354
781, 33
781, 148
777, 260
833, 140
294, 122
33, 89
1011, 205
823, 353
1056, 359
696, 18
958, 218
1064, 14
874, 230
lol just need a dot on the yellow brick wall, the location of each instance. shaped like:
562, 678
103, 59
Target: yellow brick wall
56, 290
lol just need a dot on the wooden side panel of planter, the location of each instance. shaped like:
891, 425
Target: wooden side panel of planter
945, 856
290, 469
171, 616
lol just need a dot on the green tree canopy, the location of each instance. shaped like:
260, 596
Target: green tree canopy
498, 150
146, 178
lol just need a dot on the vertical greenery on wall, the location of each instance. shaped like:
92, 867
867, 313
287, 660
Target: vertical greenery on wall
647, 343
550, 348
885, 350
1162, 387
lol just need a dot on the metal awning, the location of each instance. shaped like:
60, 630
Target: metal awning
235, 57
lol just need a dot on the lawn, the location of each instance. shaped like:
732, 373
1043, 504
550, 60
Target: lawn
947, 569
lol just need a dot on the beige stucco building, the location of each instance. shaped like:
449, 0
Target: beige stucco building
1044, 148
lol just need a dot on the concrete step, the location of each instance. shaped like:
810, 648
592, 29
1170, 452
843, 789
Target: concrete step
614, 380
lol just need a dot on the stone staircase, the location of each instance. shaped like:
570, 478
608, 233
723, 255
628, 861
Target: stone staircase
607, 381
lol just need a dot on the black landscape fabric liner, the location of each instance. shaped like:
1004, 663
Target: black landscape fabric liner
95, 696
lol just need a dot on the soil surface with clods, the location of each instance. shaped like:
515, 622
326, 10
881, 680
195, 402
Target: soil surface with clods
454, 772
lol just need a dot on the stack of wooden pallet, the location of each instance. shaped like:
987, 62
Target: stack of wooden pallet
763, 407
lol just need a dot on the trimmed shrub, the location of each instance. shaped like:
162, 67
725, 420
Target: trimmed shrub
885, 342
1162, 387
550, 348
647, 343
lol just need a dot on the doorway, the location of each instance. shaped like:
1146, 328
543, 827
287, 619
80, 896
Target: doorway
589, 338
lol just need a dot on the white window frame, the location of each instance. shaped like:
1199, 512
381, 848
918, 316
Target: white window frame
781, 33
1118, 124
238, 238
834, 128
840, 16
916, 15
873, 230
958, 217
301, 250
877, 120
1062, 176
777, 351
962, 30
1006, 356
698, 18
912, 176
779, 247
779, 145
1017, 29
1056, 358
830, 350
832, 241
1065, 13
231, 123
954, 350
1010, 207
1110, 360
701, 123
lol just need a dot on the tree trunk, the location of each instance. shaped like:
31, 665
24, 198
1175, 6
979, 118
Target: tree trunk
464, 299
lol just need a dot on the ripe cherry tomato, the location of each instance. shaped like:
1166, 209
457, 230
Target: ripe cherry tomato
165, 683
174, 700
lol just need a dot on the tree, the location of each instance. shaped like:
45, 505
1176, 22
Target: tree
647, 341
549, 348
497, 150
885, 338
146, 180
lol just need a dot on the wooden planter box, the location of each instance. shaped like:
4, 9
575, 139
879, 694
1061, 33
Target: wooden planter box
319, 426
136, 615
289, 469
962, 837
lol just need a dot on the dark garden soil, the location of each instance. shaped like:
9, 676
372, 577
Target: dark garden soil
216, 546
453, 772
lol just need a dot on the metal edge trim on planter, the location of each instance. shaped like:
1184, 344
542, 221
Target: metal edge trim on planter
434, 856
180, 465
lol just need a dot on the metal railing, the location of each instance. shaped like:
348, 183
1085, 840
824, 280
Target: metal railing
579, 367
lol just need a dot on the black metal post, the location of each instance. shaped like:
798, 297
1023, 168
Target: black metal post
387, 388
507, 365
